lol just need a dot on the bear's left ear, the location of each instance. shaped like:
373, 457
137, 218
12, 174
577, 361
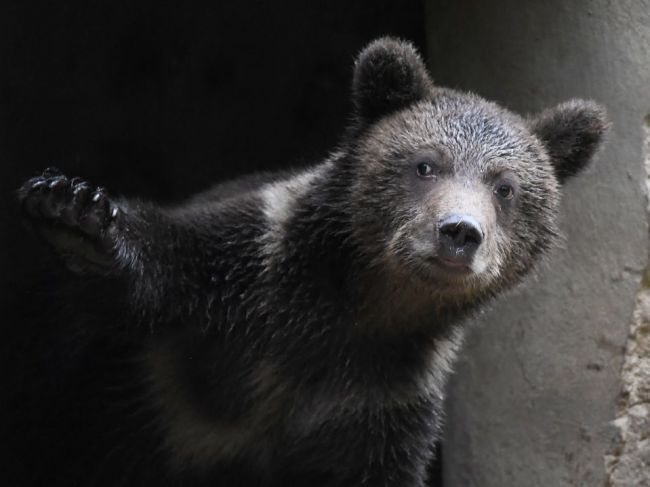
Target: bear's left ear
388, 75
571, 133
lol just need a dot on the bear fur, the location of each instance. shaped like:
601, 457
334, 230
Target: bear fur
298, 328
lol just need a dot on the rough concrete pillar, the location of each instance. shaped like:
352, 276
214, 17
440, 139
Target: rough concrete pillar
628, 462
541, 396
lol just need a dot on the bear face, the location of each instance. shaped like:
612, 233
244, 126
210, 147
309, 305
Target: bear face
454, 189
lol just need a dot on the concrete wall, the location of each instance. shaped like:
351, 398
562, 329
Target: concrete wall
539, 383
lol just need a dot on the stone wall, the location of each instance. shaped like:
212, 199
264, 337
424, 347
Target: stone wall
628, 462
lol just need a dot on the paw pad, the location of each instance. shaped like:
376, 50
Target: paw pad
56, 200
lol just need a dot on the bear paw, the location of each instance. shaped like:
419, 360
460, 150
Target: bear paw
74, 216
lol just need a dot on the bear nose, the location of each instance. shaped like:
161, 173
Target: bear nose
462, 229
460, 236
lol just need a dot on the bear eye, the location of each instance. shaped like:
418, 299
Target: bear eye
505, 191
425, 170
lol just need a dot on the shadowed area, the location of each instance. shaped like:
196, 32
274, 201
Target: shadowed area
157, 100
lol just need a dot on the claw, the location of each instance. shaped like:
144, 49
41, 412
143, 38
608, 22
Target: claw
81, 187
38, 185
58, 182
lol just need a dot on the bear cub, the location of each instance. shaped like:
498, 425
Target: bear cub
298, 328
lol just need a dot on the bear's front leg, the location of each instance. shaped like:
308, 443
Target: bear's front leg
75, 217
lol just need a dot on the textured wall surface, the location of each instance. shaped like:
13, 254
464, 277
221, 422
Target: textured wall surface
537, 393
628, 462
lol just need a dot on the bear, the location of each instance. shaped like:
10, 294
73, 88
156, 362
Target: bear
298, 328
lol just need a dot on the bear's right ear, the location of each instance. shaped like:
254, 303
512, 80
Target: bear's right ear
388, 75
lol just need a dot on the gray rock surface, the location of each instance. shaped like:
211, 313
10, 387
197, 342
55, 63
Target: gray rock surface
628, 462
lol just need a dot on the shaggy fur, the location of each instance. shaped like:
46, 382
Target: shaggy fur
301, 326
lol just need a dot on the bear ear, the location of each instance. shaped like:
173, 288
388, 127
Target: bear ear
388, 75
571, 133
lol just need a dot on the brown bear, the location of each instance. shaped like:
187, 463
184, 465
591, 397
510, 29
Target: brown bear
298, 328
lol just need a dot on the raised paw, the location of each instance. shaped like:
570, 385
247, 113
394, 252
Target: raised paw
72, 215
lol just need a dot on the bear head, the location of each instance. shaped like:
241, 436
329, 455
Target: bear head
453, 190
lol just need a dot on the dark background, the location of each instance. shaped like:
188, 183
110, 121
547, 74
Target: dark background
157, 100
160, 99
